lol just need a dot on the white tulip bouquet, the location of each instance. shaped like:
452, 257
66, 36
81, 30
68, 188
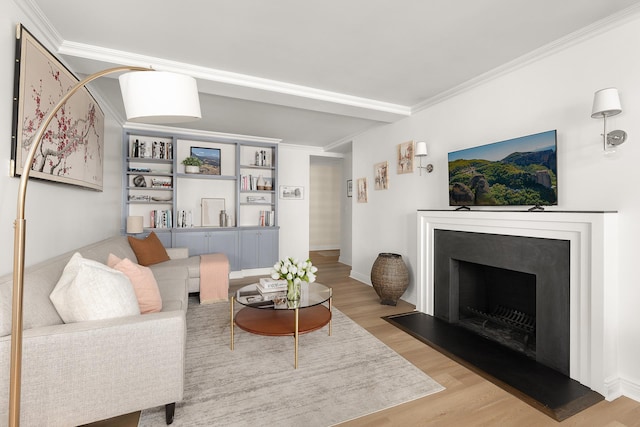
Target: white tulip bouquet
294, 272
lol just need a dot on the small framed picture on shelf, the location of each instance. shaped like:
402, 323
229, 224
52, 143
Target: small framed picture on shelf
211, 212
210, 158
291, 192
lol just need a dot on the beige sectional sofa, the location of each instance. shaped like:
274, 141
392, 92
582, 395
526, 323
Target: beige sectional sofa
77, 373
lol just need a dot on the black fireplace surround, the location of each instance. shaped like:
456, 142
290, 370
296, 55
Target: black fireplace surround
528, 274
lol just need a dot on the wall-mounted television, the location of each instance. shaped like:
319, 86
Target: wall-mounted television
520, 171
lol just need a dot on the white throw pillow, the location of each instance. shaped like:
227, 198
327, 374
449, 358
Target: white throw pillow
89, 290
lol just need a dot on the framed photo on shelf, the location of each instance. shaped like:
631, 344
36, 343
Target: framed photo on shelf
290, 192
210, 158
72, 149
406, 157
381, 175
211, 212
349, 188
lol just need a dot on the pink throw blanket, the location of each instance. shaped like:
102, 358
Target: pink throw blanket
214, 278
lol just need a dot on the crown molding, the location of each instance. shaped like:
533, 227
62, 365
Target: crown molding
579, 36
46, 33
97, 53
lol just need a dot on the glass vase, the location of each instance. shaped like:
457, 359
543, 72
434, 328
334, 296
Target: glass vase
293, 290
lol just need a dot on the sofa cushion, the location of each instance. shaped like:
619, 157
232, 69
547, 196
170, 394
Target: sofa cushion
149, 250
89, 290
144, 283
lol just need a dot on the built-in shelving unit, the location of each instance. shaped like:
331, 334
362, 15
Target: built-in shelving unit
239, 178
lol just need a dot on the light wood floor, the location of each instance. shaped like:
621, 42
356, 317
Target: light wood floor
469, 400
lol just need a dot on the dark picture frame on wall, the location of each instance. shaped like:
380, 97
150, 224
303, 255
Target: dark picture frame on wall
211, 159
349, 188
72, 149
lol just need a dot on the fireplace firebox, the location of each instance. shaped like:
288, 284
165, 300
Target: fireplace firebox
513, 290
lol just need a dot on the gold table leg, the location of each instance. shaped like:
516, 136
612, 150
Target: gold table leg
231, 317
295, 365
330, 314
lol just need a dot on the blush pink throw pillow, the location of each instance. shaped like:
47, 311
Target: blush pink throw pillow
144, 283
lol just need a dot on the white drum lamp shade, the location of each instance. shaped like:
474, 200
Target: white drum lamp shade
135, 224
606, 103
160, 97
421, 149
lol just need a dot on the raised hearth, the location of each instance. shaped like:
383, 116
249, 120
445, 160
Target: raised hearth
592, 280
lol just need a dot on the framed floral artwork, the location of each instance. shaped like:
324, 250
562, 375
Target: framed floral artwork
362, 190
406, 157
72, 148
381, 175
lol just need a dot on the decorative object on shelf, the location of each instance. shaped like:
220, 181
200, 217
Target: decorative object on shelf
389, 277
362, 190
261, 183
381, 175
71, 156
210, 159
135, 224
149, 96
262, 159
161, 198
294, 272
185, 219
192, 164
211, 212
224, 218
606, 103
349, 188
421, 151
290, 192
405, 157
139, 181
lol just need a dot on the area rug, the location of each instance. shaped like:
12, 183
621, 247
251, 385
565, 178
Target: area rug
339, 377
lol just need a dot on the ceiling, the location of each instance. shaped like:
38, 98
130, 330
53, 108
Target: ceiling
313, 72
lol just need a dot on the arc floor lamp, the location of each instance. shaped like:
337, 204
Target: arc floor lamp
156, 97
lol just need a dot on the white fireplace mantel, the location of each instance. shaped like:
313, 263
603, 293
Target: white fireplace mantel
593, 238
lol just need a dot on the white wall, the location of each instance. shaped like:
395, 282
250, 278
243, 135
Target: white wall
326, 190
59, 217
554, 92
347, 212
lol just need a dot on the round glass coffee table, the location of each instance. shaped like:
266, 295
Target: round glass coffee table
272, 315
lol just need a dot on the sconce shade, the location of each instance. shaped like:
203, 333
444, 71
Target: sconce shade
160, 97
606, 103
134, 224
421, 149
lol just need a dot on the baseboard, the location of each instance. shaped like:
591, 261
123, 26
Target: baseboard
618, 387
325, 248
344, 260
361, 277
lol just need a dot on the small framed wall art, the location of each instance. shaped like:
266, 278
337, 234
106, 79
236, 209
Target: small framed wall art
406, 157
349, 188
381, 175
290, 192
362, 190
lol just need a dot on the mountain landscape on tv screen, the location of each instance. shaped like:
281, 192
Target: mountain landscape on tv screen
521, 178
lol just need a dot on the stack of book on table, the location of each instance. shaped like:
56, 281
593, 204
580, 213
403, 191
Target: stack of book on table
270, 286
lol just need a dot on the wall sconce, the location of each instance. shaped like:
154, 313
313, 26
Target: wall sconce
606, 103
134, 224
421, 151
